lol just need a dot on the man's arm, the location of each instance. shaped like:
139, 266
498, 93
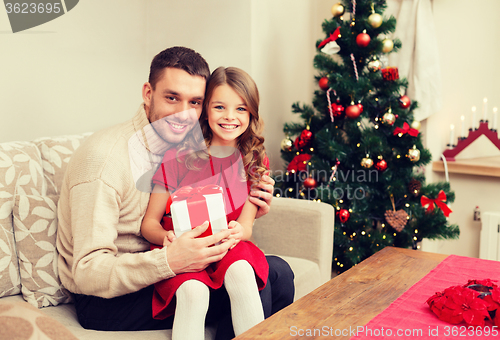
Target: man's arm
262, 195
108, 257
99, 269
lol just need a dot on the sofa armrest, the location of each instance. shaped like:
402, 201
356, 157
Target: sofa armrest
298, 228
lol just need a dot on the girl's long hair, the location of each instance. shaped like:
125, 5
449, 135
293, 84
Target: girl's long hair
251, 142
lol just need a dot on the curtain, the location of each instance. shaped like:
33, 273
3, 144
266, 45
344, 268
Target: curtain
418, 59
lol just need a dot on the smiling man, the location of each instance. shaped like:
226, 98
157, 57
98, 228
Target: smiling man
104, 261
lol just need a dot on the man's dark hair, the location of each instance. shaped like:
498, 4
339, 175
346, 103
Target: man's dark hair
178, 57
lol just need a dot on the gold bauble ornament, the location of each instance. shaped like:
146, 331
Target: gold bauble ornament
387, 45
414, 154
375, 20
338, 10
374, 65
416, 125
389, 118
367, 162
286, 144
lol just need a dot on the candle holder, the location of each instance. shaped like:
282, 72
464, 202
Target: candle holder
483, 129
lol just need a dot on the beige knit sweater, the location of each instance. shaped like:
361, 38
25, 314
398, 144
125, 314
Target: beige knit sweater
101, 249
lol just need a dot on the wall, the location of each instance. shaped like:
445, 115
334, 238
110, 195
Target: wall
469, 49
80, 72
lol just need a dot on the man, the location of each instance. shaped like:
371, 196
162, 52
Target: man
103, 260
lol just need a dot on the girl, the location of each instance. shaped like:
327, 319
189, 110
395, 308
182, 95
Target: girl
230, 153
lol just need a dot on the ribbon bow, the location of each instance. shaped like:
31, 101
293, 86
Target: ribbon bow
191, 194
334, 36
440, 201
406, 129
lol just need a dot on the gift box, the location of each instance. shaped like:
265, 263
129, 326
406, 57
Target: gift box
390, 73
190, 207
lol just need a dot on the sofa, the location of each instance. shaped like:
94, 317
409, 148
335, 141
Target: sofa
34, 304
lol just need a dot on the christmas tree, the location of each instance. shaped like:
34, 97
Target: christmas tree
358, 147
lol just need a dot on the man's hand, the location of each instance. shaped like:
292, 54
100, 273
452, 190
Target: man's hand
262, 198
190, 254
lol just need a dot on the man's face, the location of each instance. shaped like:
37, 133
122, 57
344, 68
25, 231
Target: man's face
175, 105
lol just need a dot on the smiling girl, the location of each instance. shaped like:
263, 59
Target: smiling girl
231, 154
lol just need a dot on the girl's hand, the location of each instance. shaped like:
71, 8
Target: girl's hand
236, 232
262, 194
169, 238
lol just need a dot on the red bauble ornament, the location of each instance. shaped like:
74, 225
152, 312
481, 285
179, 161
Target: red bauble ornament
360, 106
323, 83
353, 111
404, 102
299, 162
381, 165
363, 39
303, 140
310, 183
344, 215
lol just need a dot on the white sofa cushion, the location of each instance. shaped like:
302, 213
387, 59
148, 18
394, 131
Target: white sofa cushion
20, 172
35, 227
56, 153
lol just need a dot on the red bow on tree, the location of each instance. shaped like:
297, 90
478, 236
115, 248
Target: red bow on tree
299, 162
406, 129
334, 36
440, 201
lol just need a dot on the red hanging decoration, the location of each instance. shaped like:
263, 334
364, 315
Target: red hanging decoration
390, 73
304, 140
363, 39
310, 183
337, 109
299, 162
353, 111
404, 102
343, 215
406, 129
440, 202
381, 165
334, 36
323, 83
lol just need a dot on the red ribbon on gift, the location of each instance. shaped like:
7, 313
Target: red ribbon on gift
196, 204
406, 129
334, 36
440, 201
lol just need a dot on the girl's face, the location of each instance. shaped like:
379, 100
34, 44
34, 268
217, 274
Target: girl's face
227, 116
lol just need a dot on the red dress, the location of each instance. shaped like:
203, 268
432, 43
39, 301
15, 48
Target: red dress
226, 172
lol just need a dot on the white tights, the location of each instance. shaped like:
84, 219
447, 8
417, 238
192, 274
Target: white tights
193, 298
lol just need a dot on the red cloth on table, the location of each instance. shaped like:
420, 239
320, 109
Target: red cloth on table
410, 311
226, 172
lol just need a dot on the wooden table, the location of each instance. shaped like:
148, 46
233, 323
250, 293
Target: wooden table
351, 299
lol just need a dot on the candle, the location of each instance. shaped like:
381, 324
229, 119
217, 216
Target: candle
452, 130
485, 108
495, 118
473, 118
463, 126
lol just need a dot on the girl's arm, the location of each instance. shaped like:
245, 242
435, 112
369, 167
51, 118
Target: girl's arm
151, 228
